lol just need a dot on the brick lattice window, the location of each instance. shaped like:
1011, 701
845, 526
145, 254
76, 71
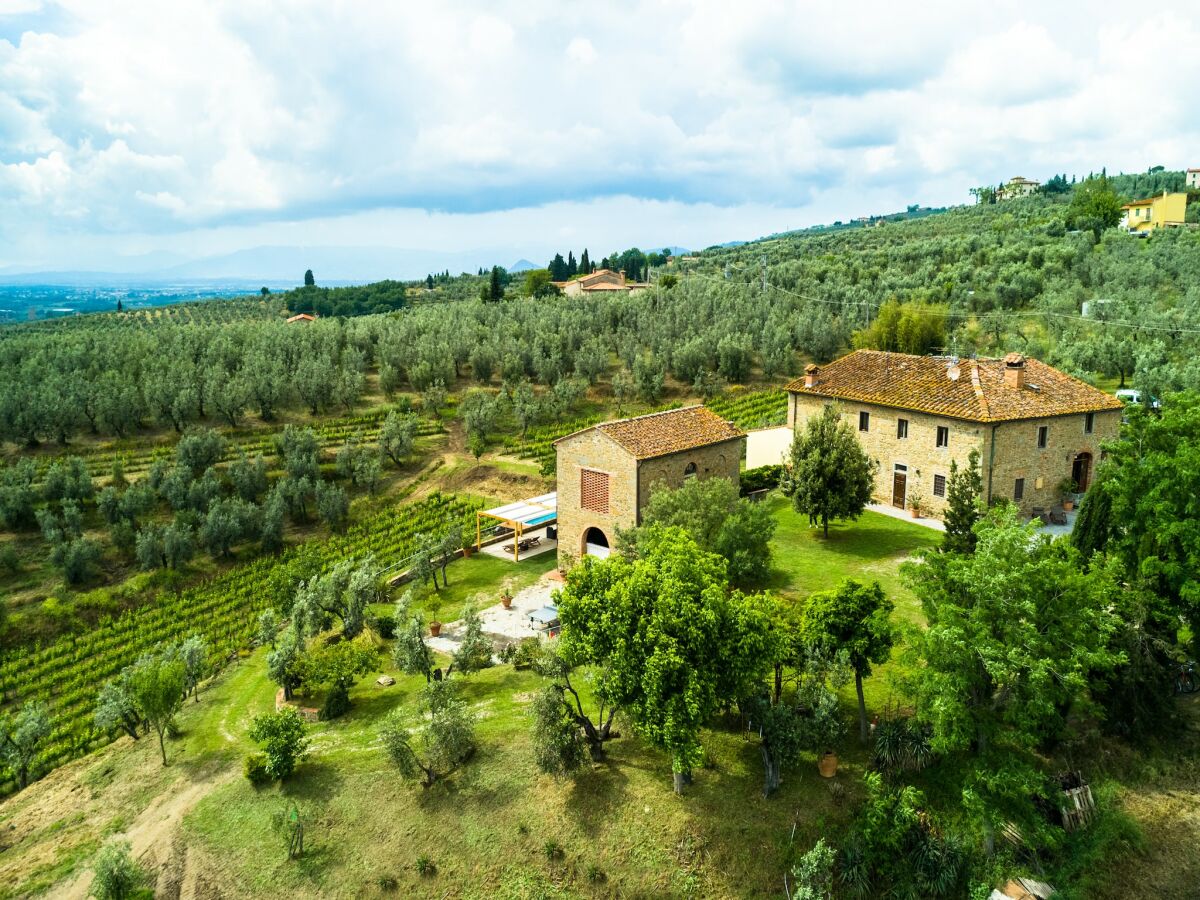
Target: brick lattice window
943, 436
939, 485
593, 490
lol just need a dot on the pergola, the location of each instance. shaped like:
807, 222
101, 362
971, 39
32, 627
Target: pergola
520, 516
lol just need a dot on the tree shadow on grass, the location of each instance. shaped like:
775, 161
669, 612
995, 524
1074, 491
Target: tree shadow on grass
598, 794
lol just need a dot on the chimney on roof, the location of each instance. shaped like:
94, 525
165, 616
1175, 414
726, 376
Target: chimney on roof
1014, 371
622, 276
810, 375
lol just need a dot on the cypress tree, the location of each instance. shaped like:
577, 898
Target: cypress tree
585, 265
572, 269
962, 506
496, 287
309, 281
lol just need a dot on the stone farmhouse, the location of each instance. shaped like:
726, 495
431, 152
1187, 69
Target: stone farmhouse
1192, 179
1034, 426
606, 472
1017, 187
600, 281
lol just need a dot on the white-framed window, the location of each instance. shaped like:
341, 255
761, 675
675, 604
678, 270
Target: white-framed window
901, 428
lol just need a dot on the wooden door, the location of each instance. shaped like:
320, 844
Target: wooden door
899, 483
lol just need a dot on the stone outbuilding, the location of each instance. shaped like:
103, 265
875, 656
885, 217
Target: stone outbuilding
1035, 427
606, 472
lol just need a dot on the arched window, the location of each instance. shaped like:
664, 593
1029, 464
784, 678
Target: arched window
690, 471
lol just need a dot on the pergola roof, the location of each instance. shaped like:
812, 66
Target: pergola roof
534, 511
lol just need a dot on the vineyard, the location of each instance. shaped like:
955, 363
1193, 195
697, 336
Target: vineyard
68, 674
199, 312
137, 458
746, 409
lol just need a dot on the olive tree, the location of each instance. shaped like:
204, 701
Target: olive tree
441, 745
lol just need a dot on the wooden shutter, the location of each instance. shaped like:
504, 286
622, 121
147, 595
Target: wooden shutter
593, 490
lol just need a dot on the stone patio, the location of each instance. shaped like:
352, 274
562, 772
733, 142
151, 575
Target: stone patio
502, 625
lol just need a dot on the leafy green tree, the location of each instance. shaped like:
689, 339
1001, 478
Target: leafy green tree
333, 506
812, 875
496, 284
199, 449
905, 328
558, 744
346, 591
1017, 630
309, 280
433, 398
21, 739
17, 495
283, 662
299, 451
410, 653
673, 644
1149, 480
553, 663
649, 376
710, 510
281, 735
249, 476
854, 619
1094, 206
831, 475
115, 706
538, 283
445, 743
337, 666
398, 435
117, 876
475, 650
268, 628
157, 687
964, 491
229, 522
194, 653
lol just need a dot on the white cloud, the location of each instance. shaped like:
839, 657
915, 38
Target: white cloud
120, 119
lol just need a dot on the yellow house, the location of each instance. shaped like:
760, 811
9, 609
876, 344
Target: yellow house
1154, 212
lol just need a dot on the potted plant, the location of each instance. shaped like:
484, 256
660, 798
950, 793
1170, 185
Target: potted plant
435, 628
506, 594
916, 505
1068, 488
822, 722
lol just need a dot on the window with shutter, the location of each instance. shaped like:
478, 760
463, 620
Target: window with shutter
593, 490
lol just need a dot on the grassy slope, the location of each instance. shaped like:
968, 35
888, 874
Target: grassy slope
485, 828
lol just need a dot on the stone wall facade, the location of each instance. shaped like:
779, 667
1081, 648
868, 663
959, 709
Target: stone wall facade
592, 450
629, 484
1014, 454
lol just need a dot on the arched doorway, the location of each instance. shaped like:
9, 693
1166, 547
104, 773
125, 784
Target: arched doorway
595, 543
1081, 471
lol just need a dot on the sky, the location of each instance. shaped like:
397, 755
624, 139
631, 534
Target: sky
140, 134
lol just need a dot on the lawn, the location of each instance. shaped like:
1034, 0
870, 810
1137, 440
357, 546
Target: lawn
869, 549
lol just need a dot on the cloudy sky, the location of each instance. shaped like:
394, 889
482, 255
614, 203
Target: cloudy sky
180, 130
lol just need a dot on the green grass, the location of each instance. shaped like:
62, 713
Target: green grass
870, 549
477, 580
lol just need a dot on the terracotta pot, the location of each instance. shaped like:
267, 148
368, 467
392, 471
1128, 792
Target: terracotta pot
506, 602
1068, 505
435, 628
827, 765
916, 513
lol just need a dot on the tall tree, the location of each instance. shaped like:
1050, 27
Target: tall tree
673, 644
585, 264
831, 474
309, 281
572, 266
1017, 630
445, 743
963, 505
855, 620
21, 738
157, 687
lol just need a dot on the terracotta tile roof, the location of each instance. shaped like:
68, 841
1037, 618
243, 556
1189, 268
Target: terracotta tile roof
979, 394
302, 317
662, 433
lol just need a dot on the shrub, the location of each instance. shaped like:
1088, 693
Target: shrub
282, 737
759, 479
901, 745
425, 866
255, 769
118, 877
384, 626
337, 702
594, 873
552, 850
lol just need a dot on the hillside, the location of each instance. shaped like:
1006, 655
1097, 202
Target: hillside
183, 470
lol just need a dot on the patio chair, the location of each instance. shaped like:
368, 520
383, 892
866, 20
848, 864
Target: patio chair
1058, 517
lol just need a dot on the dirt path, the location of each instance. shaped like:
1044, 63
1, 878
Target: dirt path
156, 842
